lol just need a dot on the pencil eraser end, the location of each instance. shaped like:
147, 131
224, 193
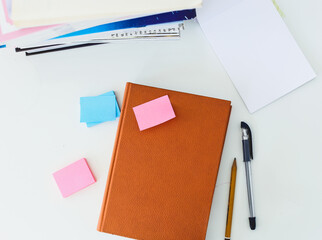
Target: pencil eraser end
252, 223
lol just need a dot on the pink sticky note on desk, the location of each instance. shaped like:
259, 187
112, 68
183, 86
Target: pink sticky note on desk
74, 177
154, 112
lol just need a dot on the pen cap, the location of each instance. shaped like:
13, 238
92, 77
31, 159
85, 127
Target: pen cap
244, 126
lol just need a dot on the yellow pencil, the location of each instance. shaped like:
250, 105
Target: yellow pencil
231, 200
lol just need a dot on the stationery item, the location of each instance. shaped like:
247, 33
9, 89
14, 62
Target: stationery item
248, 155
4, 37
97, 109
8, 7
154, 112
161, 181
8, 31
164, 32
5, 25
144, 21
86, 30
102, 31
58, 30
231, 200
74, 177
117, 109
256, 48
60, 47
18, 49
154, 32
45, 12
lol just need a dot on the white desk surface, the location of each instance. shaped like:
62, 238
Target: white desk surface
40, 133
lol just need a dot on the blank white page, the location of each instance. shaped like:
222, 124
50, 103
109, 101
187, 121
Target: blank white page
255, 47
44, 12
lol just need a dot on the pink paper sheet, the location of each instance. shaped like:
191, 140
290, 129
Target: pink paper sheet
154, 112
74, 177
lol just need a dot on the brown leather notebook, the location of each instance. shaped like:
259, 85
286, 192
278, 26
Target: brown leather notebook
161, 180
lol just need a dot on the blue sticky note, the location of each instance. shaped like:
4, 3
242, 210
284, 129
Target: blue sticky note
111, 93
117, 108
118, 112
97, 109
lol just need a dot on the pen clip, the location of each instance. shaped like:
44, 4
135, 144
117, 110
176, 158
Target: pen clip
245, 126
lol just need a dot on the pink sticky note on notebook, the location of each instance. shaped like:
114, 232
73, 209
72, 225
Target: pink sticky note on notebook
74, 177
154, 112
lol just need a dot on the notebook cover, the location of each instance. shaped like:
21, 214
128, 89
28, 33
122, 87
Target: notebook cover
161, 181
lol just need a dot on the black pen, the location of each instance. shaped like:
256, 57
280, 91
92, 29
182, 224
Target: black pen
58, 47
248, 155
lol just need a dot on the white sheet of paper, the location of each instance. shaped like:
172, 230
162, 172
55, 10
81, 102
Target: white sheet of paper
256, 48
45, 12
